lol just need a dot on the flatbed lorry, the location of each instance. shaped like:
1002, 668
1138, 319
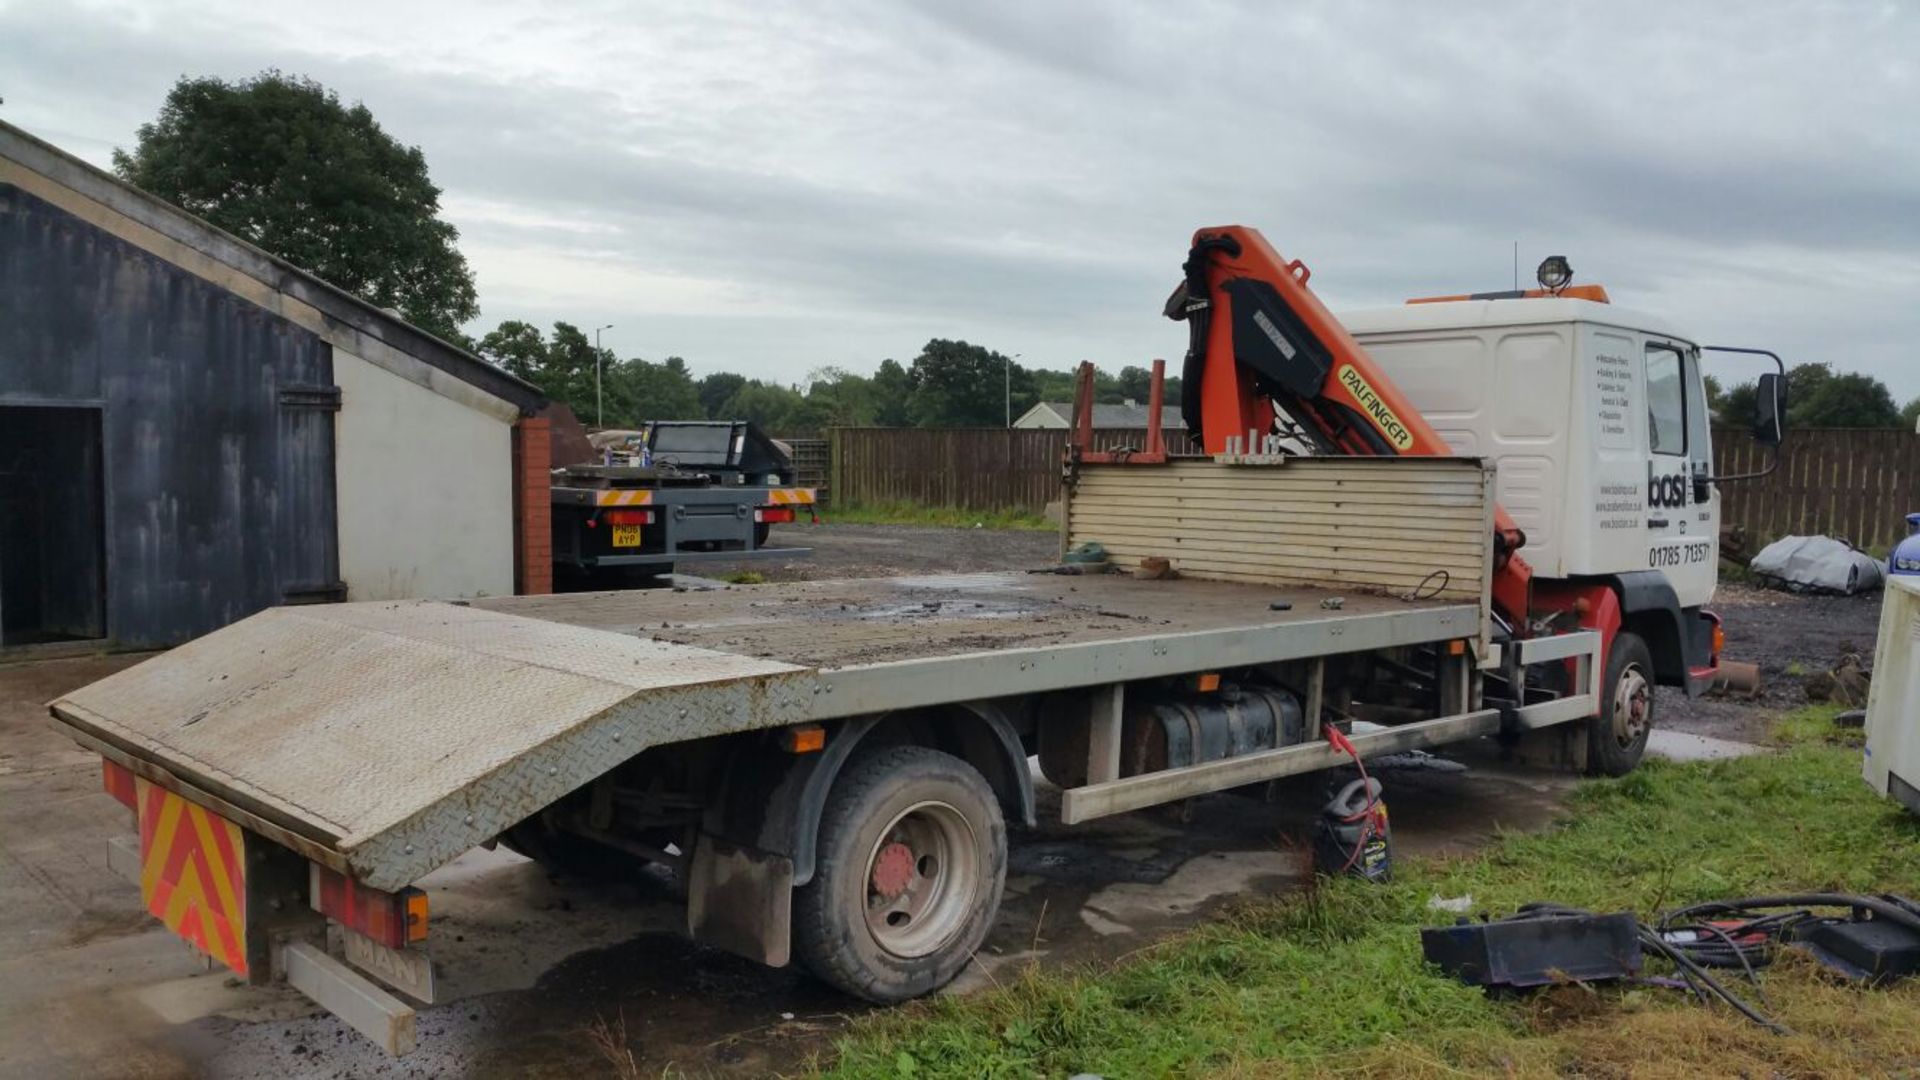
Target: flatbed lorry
831, 768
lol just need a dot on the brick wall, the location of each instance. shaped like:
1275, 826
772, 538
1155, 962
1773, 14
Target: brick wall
532, 506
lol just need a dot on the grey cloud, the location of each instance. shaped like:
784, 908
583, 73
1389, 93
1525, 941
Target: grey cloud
1028, 174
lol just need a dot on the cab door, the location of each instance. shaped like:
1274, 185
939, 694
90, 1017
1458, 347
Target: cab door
1681, 504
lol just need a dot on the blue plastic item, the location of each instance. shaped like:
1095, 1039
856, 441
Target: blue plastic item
1905, 558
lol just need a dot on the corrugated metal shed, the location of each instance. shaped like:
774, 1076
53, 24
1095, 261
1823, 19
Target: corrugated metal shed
167, 411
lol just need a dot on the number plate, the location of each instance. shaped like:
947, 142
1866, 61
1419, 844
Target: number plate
193, 873
626, 536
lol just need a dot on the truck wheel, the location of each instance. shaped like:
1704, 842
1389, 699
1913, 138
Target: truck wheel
760, 534
911, 860
1617, 739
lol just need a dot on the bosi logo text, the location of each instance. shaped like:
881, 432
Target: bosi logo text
1666, 490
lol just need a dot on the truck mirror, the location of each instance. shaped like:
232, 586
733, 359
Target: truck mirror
1770, 409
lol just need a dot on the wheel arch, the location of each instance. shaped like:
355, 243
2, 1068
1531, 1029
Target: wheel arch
773, 800
1643, 602
1650, 608
978, 733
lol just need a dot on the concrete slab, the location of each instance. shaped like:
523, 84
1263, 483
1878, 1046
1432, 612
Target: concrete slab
1687, 746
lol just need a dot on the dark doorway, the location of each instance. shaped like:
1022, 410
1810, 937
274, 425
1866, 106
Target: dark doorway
52, 527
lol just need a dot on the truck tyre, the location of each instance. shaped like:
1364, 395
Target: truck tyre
911, 859
760, 534
1617, 738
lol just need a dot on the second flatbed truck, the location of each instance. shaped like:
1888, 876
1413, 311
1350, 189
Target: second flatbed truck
831, 767
707, 491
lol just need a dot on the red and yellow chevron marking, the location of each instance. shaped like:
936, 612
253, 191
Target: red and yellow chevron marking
790, 497
193, 873
622, 498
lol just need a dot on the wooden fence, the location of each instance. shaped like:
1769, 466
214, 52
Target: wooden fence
1857, 484
975, 468
1854, 483
812, 463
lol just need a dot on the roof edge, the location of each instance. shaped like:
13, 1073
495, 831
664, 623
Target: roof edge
61, 167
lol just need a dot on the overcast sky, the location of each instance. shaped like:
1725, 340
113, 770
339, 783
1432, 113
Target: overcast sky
767, 189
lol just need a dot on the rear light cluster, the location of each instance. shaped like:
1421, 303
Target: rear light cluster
394, 919
773, 515
623, 517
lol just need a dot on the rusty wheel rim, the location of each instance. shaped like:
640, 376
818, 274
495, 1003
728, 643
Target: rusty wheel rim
922, 879
1632, 705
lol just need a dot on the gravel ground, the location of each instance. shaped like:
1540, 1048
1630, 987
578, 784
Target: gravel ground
1788, 635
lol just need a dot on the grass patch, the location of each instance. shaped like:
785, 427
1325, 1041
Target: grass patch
1331, 980
1812, 725
950, 517
744, 577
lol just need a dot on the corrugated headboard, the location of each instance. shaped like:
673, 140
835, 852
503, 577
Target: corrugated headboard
1369, 524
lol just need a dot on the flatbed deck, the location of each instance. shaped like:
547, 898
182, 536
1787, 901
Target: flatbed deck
387, 738
862, 621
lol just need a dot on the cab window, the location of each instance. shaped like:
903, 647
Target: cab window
1666, 401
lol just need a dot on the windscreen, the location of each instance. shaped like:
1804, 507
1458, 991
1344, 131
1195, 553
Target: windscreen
693, 444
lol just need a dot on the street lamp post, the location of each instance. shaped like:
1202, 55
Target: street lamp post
599, 399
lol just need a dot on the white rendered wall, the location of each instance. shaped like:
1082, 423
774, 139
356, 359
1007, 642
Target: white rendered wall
425, 490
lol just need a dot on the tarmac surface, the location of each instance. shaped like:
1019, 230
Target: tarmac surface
91, 986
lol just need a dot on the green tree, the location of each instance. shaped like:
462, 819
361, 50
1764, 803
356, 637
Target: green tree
777, 409
956, 384
892, 394
842, 399
717, 389
279, 161
639, 391
1734, 408
518, 347
1134, 382
1910, 414
1819, 398
1852, 399
561, 368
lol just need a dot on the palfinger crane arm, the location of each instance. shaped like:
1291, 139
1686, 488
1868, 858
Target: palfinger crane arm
1266, 357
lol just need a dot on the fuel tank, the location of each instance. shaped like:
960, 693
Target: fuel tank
1167, 732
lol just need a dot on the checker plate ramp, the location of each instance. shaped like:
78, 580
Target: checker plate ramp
402, 734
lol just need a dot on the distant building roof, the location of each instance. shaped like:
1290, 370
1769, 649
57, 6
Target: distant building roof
1131, 416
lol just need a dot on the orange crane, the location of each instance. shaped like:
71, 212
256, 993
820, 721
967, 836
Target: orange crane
1267, 358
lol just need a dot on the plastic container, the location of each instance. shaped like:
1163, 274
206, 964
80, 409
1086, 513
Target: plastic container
1352, 835
1905, 558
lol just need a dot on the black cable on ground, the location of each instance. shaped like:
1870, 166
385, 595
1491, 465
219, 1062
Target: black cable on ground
1700, 981
1744, 933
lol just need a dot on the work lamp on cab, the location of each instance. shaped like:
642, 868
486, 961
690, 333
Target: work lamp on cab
1554, 273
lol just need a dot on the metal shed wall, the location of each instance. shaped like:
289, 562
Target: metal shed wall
216, 422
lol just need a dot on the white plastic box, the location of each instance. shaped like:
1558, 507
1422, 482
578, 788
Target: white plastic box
1892, 763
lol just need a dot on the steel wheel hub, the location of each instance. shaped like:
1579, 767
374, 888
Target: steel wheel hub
923, 880
1632, 705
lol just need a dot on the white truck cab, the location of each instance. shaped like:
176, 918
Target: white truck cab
1595, 415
